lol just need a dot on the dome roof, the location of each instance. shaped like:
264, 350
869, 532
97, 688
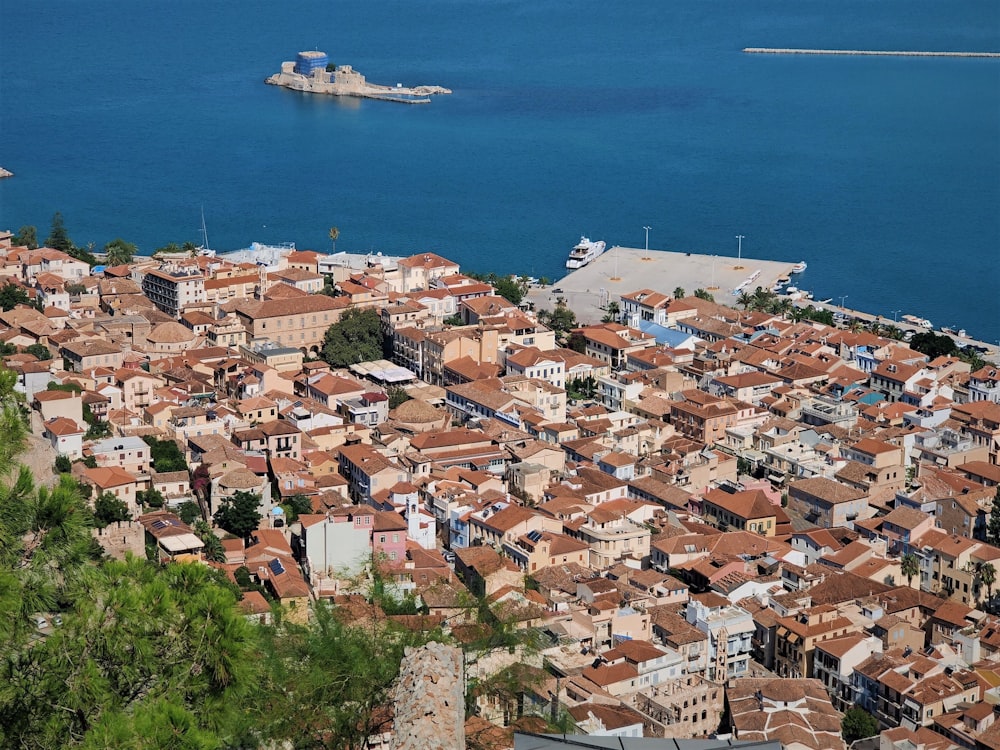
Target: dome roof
170, 333
240, 479
416, 411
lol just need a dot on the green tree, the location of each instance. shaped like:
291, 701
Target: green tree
119, 252
239, 514
356, 337
581, 388
910, 567
295, 506
397, 396
213, 549
242, 577
188, 512
577, 342
63, 465
987, 574
334, 235
11, 295
933, 344
704, 294
679, 293
58, 236
612, 312
819, 316
858, 724
165, 455
562, 320
27, 236
509, 289
147, 657
326, 682
993, 524
109, 509
39, 351
151, 498
453, 320
97, 431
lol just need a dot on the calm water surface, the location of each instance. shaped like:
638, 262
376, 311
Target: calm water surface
567, 118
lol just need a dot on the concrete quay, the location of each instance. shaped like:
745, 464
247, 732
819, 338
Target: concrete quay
871, 52
621, 270
992, 353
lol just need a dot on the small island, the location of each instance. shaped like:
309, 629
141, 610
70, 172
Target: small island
312, 72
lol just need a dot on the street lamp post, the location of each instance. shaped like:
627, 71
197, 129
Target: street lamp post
894, 314
647, 239
842, 298
739, 246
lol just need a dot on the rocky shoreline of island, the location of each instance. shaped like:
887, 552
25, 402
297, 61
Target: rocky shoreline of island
313, 73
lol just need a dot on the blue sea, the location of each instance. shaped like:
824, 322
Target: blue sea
589, 117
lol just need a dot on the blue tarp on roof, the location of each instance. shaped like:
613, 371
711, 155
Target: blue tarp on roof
664, 336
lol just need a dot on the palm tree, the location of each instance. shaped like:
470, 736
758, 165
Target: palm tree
612, 311
744, 300
761, 298
988, 576
679, 293
910, 567
780, 306
333, 235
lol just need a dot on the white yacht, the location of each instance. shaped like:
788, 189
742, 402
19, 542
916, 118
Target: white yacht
584, 252
799, 267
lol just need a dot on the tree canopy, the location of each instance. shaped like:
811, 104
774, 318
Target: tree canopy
27, 236
12, 295
858, 724
58, 236
561, 319
119, 252
509, 289
933, 344
165, 455
239, 514
110, 509
356, 337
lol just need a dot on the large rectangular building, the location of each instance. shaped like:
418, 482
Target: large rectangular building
297, 322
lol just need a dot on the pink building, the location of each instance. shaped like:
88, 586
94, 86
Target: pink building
389, 536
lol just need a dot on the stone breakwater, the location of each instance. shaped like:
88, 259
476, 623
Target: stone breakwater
884, 53
345, 81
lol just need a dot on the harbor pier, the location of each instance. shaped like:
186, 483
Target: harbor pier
621, 270
872, 52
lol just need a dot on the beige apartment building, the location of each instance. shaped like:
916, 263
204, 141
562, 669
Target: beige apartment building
296, 322
90, 353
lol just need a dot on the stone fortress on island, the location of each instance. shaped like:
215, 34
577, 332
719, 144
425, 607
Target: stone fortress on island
312, 72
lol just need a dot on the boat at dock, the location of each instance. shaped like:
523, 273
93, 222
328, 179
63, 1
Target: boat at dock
915, 321
799, 267
584, 252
